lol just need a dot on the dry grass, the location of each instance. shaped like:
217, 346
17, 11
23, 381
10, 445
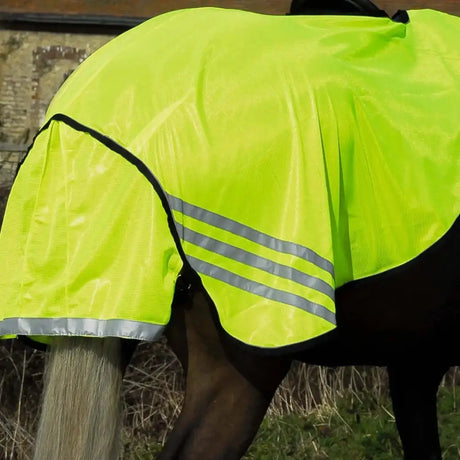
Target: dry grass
153, 393
308, 388
21, 372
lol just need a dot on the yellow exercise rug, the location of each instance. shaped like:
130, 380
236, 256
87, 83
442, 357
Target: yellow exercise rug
282, 156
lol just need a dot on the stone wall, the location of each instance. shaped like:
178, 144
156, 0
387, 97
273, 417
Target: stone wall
32, 67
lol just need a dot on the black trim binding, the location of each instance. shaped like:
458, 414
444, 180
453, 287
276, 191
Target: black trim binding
142, 167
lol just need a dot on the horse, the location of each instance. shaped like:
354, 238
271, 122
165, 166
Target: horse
411, 329
406, 319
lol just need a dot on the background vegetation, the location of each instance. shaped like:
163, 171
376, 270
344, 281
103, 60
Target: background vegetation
318, 413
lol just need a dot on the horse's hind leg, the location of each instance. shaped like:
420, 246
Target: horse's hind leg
414, 390
228, 389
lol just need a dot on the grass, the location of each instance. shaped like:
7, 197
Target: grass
361, 429
344, 432
357, 429
317, 413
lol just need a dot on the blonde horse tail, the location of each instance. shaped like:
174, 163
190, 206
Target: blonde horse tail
81, 413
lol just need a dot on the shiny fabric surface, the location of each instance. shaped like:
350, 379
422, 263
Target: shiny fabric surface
297, 153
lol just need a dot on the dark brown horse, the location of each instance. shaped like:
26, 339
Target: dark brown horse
407, 319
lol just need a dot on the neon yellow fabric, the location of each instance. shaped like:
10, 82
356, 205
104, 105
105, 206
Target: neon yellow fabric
79, 246
337, 135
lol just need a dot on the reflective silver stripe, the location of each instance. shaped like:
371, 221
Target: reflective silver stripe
261, 289
232, 226
82, 326
254, 260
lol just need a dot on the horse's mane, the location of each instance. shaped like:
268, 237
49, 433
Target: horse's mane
347, 7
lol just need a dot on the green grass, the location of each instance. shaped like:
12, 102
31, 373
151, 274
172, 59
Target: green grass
349, 433
359, 428
355, 430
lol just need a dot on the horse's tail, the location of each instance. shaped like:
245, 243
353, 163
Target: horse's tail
80, 416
